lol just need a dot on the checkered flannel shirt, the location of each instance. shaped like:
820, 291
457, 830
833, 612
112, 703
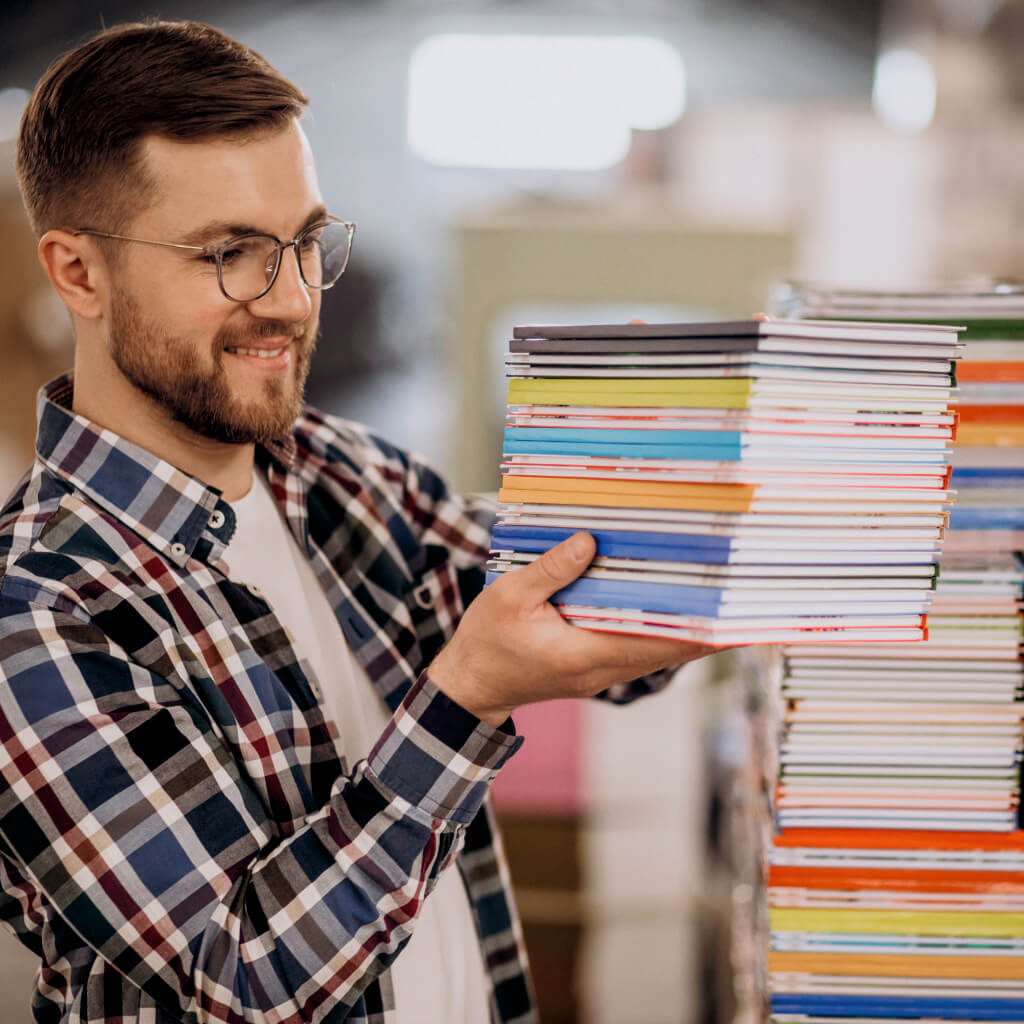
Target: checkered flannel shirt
178, 839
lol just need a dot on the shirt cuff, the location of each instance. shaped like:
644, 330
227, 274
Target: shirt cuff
437, 755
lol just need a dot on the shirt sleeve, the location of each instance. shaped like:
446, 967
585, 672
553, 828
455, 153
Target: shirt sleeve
124, 806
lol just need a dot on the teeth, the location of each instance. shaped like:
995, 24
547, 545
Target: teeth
260, 353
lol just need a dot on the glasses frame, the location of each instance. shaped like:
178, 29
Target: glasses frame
217, 251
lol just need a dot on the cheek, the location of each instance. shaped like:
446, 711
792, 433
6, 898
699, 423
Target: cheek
202, 328
179, 312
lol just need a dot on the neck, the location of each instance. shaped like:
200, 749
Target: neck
104, 396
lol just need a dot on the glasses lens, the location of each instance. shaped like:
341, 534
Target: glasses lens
247, 266
323, 253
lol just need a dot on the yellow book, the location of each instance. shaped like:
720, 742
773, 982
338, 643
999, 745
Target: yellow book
727, 393
631, 399
991, 924
633, 385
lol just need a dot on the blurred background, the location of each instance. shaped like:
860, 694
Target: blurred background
509, 162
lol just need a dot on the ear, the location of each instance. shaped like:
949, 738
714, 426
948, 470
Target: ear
76, 269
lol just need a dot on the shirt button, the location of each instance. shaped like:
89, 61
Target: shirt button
421, 595
178, 550
217, 519
254, 590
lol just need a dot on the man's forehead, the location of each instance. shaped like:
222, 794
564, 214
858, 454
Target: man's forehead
265, 179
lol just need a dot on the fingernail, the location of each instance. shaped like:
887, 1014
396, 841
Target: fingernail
579, 549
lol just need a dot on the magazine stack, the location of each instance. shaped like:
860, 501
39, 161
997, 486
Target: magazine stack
897, 876
761, 481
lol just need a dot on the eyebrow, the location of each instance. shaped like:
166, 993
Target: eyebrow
216, 231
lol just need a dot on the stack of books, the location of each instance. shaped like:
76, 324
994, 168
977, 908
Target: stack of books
897, 925
754, 481
896, 881
988, 460
989, 456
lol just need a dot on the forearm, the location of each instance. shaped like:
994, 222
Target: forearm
372, 856
163, 855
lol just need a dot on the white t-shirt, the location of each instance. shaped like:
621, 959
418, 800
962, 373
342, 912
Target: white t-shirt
439, 976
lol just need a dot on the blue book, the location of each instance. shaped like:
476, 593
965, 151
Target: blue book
714, 445
704, 601
668, 547
660, 437
681, 547
719, 453
986, 518
988, 476
666, 598
909, 1007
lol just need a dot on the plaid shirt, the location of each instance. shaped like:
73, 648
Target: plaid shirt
178, 839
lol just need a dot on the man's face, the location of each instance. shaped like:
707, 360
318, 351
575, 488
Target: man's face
231, 372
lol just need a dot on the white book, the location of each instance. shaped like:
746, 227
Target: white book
866, 518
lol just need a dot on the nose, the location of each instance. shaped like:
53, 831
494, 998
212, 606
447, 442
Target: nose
288, 299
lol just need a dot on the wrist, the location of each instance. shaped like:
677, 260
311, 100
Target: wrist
455, 682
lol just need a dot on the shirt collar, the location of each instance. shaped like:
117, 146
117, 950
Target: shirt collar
164, 505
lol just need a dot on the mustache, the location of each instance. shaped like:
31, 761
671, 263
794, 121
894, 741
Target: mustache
263, 329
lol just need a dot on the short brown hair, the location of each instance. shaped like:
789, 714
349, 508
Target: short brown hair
79, 144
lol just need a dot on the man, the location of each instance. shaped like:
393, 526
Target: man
248, 720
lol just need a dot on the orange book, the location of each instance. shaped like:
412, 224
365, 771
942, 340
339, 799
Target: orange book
631, 494
922, 965
899, 839
563, 497
1009, 882
991, 373
990, 414
605, 485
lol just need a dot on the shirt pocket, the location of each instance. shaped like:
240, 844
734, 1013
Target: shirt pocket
434, 607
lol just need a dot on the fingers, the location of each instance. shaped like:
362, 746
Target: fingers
555, 569
644, 653
598, 660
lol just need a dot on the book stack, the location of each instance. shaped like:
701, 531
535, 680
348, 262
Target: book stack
988, 459
755, 481
896, 879
989, 454
897, 925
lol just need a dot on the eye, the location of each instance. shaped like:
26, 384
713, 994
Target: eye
229, 255
246, 250
310, 239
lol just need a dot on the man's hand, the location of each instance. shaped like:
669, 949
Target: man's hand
512, 647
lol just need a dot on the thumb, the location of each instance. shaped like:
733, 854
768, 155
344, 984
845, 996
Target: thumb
556, 568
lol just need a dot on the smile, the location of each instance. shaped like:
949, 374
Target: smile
260, 353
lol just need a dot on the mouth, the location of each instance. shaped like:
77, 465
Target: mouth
269, 357
258, 353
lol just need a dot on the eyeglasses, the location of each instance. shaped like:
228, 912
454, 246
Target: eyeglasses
248, 265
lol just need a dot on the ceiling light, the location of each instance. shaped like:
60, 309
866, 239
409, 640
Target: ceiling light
518, 101
904, 90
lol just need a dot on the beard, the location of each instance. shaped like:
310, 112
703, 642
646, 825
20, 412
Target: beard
196, 392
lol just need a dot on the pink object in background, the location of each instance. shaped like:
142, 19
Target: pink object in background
545, 776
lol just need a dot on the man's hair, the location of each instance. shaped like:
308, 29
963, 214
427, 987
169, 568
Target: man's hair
79, 146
